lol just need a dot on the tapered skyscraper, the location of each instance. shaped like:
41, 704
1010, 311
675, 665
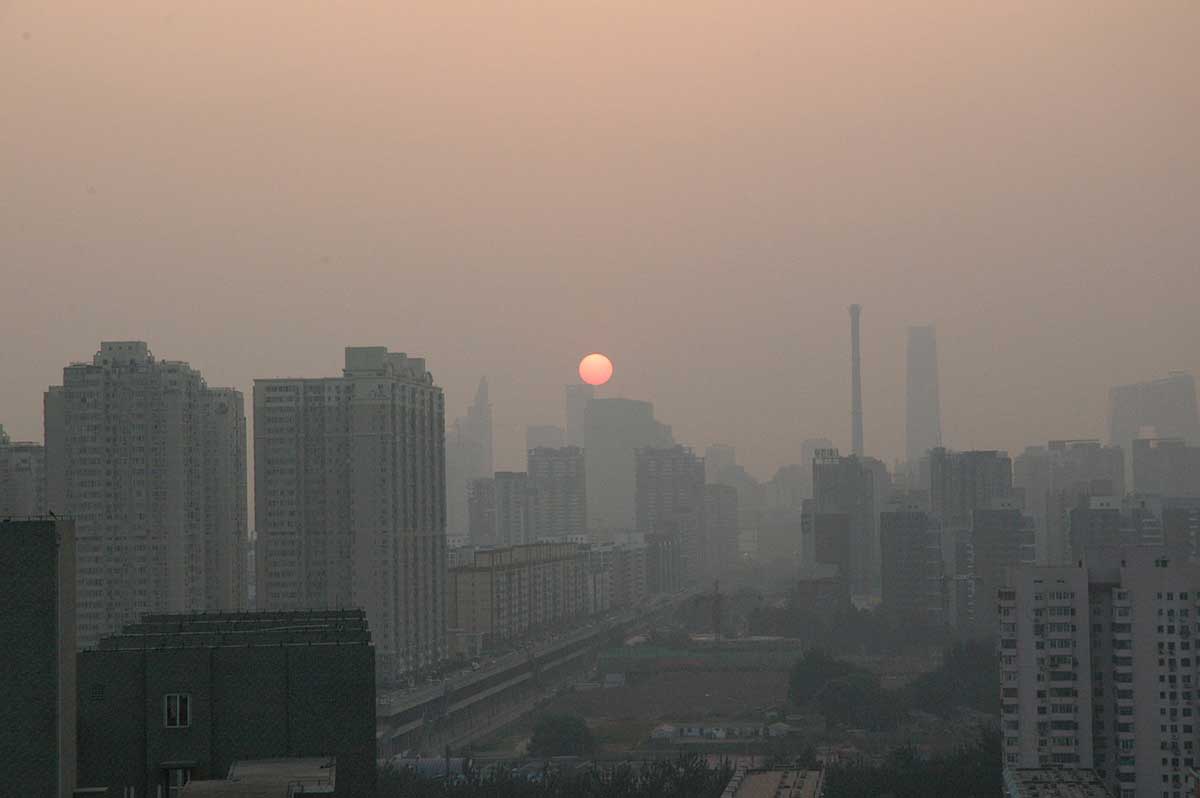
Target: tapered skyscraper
923, 420
856, 409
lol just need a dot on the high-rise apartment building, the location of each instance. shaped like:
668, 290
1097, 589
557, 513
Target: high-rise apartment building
1165, 408
718, 459
351, 501
151, 464
577, 399
614, 430
1099, 668
1000, 538
558, 479
1166, 467
671, 498
468, 457
22, 478
1054, 478
37, 656
923, 421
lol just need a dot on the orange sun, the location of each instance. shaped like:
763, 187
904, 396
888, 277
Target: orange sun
595, 369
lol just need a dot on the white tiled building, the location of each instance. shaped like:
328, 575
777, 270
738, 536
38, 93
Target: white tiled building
1099, 668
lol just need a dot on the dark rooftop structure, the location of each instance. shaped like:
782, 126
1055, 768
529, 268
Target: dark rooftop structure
180, 698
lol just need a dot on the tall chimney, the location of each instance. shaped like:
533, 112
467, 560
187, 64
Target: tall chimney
856, 413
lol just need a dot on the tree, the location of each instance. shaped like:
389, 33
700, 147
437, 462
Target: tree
561, 735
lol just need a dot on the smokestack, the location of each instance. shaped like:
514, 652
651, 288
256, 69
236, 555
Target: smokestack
856, 413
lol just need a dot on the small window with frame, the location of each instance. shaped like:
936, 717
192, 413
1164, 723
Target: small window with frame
177, 710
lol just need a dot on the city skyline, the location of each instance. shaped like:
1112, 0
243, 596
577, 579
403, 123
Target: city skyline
1032, 194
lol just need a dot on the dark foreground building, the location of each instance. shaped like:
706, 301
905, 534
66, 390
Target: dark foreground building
182, 697
37, 656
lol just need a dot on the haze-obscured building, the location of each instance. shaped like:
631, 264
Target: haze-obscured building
671, 498
481, 509
1166, 467
922, 417
151, 463
544, 436
1166, 406
846, 486
351, 501
469, 457
913, 577
577, 397
558, 479
613, 432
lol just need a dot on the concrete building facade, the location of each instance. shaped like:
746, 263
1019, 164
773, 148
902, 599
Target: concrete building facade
351, 501
151, 464
671, 498
37, 655
182, 697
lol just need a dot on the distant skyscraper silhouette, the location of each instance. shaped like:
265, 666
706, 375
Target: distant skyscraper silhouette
615, 430
923, 422
468, 457
1168, 405
856, 408
577, 398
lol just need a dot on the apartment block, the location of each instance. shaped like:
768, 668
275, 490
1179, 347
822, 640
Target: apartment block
151, 463
351, 501
512, 592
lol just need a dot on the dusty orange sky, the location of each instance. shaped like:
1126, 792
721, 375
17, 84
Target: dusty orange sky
696, 189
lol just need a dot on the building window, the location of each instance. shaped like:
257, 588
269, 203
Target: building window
177, 711
177, 779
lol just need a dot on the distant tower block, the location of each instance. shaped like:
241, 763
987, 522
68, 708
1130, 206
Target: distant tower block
856, 409
923, 421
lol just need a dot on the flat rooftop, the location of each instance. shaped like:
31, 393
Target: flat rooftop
1053, 783
218, 629
781, 784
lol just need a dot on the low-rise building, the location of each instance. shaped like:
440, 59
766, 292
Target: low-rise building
511, 592
178, 698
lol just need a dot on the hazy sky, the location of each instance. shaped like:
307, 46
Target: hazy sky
697, 189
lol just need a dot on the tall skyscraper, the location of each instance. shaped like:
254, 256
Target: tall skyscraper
671, 499
351, 501
22, 478
151, 464
922, 420
577, 399
856, 407
1165, 407
558, 479
37, 656
1099, 668
468, 457
614, 430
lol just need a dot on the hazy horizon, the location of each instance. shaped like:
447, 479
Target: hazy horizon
696, 191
